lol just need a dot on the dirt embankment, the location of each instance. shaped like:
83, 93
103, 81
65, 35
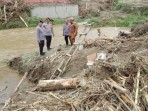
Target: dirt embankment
136, 31
110, 85
93, 7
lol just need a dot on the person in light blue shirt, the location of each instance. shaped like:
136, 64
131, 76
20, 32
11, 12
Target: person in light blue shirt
40, 37
48, 32
66, 31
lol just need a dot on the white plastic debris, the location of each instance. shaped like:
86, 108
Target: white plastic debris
90, 64
81, 47
101, 56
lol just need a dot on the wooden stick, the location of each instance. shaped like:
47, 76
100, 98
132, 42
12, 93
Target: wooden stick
144, 88
134, 105
20, 109
114, 84
5, 13
137, 86
94, 107
53, 59
145, 100
126, 99
51, 94
122, 101
23, 21
16, 89
57, 97
3, 89
1, 11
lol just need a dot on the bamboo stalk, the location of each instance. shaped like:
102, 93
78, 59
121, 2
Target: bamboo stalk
137, 86
114, 84
23, 21
5, 13
122, 101
16, 89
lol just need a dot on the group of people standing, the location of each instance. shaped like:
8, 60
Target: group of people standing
45, 31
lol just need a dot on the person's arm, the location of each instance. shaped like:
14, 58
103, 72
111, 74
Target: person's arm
44, 26
76, 29
63, 29
38, 35
52, 30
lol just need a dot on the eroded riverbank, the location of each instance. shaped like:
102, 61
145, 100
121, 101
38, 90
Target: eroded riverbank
15, 42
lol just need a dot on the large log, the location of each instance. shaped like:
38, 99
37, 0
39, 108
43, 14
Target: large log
50, 85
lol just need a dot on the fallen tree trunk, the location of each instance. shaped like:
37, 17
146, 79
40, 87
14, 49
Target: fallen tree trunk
50, 85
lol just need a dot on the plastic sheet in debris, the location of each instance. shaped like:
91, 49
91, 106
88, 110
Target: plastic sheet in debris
101, 56
94, 57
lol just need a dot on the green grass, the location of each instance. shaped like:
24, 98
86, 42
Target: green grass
129, 21
132, 9
33, 21
12, 24
133, 16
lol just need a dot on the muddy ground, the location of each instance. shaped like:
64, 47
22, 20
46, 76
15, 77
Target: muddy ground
23, 39
126, 57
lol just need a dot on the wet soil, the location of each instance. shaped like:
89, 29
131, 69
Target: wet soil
16, 42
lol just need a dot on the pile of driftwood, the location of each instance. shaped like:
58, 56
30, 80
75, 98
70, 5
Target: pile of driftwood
118, 84
136, 31
94, 7
12, 10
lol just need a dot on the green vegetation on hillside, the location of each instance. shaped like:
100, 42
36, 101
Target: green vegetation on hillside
133, 15
128, 21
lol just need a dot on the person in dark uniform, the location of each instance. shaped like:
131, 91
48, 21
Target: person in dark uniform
66, 31
40, 37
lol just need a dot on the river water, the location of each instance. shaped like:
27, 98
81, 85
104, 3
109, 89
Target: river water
14, 42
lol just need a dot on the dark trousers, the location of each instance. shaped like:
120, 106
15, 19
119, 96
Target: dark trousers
48, 41
41, 46
66, 39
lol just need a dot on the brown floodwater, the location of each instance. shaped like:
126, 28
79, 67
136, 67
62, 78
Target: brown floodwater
14, 42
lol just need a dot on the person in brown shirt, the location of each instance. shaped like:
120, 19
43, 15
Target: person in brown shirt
73, 31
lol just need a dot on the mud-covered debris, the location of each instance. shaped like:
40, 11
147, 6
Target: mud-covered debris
136, 31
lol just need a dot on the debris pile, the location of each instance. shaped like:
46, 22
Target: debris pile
136, 31
93, 7
36, 66
119, 82
13, 10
